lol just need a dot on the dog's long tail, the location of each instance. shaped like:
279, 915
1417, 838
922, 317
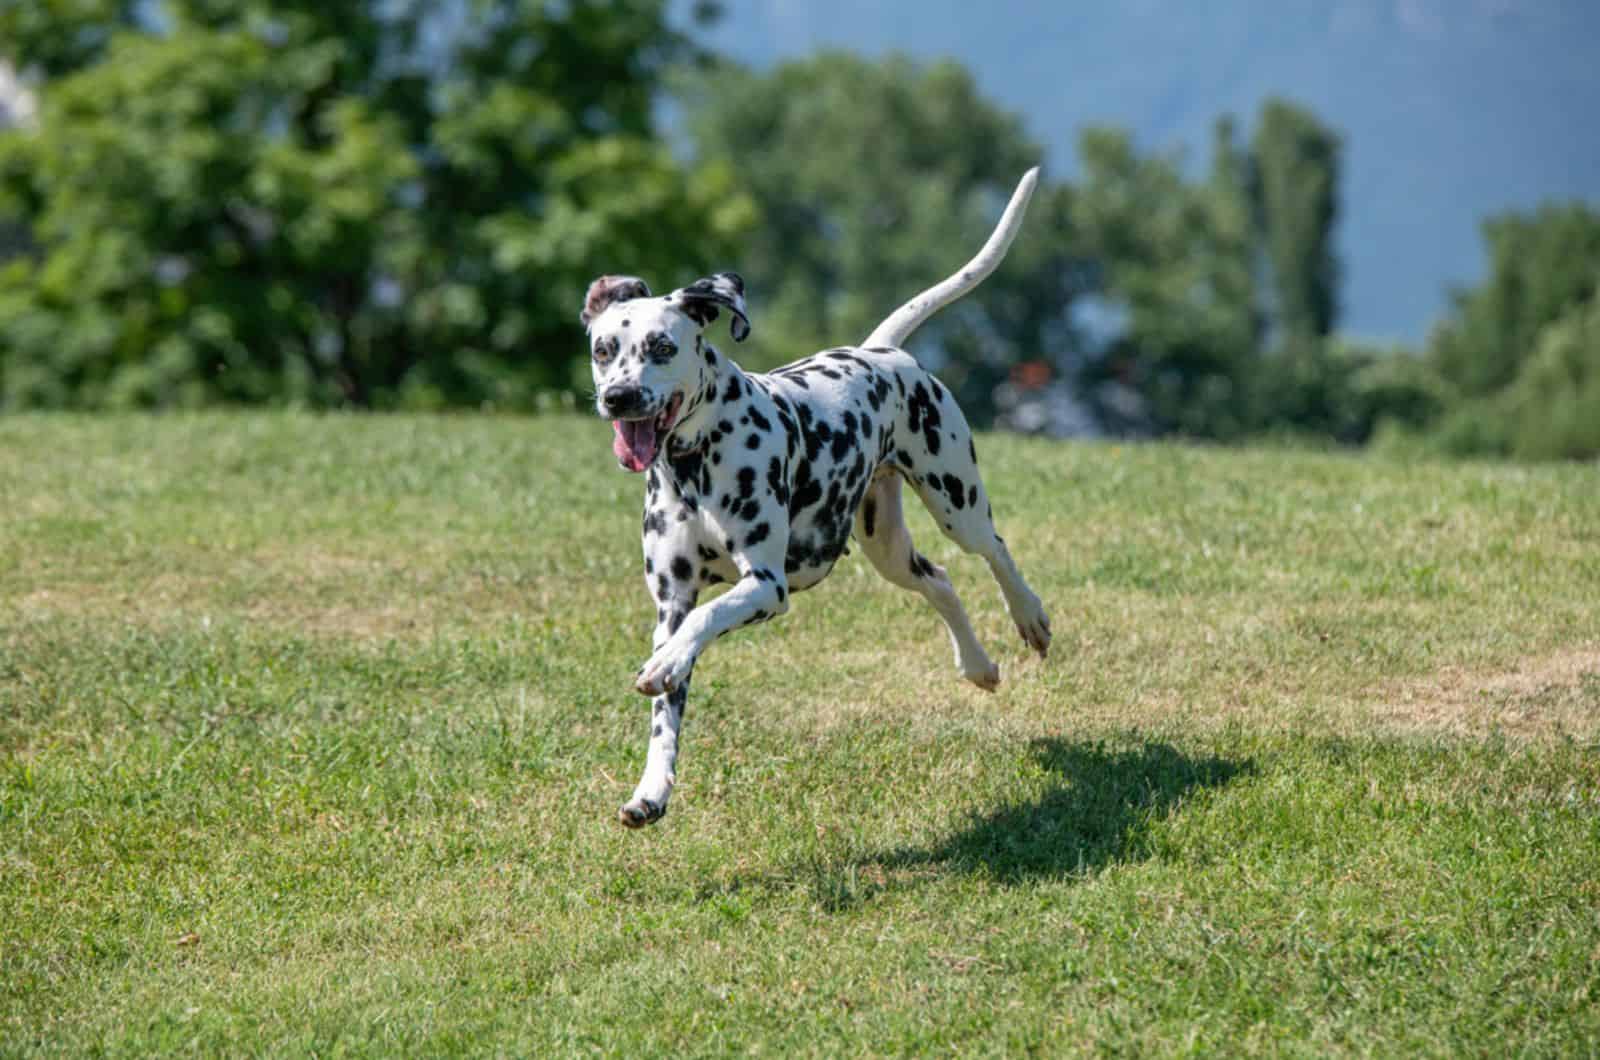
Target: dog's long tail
899, 325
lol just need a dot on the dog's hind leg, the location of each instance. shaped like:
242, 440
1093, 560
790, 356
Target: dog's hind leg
972, 528
881, 531
941, 462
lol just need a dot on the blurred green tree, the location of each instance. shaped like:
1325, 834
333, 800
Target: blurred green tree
1541, 267
1176, 261
374, 203
1553, 407
1294, 163
1516, 364
1228, 286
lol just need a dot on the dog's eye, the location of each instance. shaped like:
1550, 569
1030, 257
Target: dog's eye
662, 348
602, 351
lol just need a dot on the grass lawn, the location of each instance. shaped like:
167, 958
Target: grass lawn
313, 730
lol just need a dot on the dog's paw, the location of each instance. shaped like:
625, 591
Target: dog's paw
1035, 630
666, 670
636, 813
1027, 611
986, 677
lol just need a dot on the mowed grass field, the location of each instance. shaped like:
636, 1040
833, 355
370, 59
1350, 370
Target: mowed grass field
313, 730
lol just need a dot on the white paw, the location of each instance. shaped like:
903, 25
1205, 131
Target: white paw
1034, 625
666, 670
637, 813
1027, 611
986, 677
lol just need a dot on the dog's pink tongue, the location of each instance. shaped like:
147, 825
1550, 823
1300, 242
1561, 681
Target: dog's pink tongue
635, 443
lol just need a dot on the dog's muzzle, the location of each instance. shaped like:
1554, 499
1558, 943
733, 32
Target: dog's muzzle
638, 439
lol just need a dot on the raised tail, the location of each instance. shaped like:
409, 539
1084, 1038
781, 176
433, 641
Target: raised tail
898, 326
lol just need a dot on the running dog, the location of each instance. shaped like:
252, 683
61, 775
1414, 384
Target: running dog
760, 480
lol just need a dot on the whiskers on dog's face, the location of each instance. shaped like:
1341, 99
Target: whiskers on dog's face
646, 355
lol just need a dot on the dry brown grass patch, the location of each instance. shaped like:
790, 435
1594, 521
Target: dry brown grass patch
1538, 697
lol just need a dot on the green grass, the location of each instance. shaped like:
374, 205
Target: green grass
312, 731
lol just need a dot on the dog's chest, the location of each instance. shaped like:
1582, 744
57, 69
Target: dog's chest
783, 463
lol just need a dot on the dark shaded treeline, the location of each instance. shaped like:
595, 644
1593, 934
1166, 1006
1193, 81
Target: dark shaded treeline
385, 206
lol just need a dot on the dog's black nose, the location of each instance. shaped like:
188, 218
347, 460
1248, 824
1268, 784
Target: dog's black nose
621, 398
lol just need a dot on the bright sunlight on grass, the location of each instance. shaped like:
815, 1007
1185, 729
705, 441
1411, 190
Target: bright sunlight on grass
313, 730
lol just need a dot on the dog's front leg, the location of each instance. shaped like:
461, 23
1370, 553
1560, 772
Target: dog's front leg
649, 802
675, 597
762, 593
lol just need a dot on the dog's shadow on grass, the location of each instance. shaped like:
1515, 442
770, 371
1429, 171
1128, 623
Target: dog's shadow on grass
1097, 809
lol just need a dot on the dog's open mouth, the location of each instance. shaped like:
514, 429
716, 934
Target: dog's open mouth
638, 441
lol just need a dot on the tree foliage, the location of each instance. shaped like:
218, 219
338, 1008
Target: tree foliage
1541, 267
391, 202
367, 203
1294, 163
1227, 286
1174, 261
1521, 351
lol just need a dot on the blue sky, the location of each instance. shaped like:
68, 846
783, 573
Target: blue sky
1450, 109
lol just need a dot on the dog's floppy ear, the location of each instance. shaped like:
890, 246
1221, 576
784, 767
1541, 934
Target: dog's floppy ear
702, 297
608, 289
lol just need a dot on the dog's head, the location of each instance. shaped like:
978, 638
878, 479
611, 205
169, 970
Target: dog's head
647, 355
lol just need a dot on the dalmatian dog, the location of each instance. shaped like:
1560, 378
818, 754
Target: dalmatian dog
759, 481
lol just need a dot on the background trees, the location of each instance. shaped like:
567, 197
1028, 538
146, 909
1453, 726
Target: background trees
1519, 355
399, 204
371, 204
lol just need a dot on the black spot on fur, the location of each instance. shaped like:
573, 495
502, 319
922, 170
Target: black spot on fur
807, 491
686, 470
953, 489
857, 469
758, 534
842, 443
682, 569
